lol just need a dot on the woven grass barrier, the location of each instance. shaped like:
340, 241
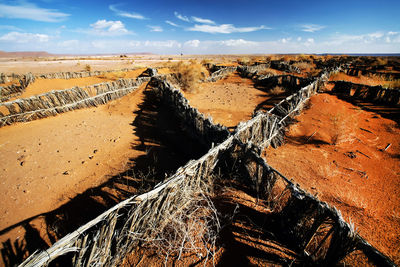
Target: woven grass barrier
164, 216
154, 219
357, 71
313, 229
289, 82
91, 243
7, 92
13, 90
284, 66
220, 74
79, 74
366, 92
55, 102
250, 71
196, 124
4, 78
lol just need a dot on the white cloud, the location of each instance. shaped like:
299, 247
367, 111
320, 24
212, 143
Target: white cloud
10, 28
224, 28
298, 39
286, 40
155, 28
171, 23
311, 27
309, 42
181, 17
134, 43
69, 44
18, 37
192, 43
108, 28
236, 42
26, 10
201, 20
125, 14
375, 35
158, 44
363, 39
392, 33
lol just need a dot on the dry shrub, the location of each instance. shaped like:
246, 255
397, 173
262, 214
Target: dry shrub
183, 219
303, 57
379, 61
394, 84
277, 90
113, 76
304, 65
269, 71
206, 61
344, 127
244, 61
88, 67
189, 74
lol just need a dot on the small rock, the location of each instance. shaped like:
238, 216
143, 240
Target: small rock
350, 154
90, 157
95, 151
66, 173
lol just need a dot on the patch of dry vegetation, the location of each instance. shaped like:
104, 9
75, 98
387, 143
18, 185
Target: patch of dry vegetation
302, 65
189, 74
371, 80
269, 71
113, 76
277, 90
394, 84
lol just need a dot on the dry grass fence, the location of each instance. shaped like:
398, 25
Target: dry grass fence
250, 71
7, 92
318, 232
220, 74
366, 92
357, 71
55, 102
196, 124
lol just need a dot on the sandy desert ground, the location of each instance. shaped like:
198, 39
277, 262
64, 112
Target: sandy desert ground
90, 159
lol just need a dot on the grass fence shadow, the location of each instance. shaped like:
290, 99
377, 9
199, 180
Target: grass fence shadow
166, 148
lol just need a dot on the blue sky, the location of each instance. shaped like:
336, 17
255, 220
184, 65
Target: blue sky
200, 27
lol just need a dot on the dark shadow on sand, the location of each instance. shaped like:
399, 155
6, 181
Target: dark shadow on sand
166, 148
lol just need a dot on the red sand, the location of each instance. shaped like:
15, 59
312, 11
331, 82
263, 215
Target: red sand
228, 101
85, 147
344, 164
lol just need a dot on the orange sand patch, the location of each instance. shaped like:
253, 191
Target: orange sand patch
228, 101
345, 164
60, 157
372, 81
